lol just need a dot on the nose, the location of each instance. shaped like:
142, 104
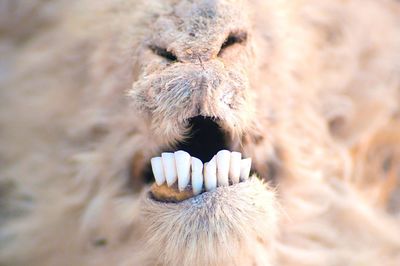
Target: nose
201, 52
204, 53
198, 55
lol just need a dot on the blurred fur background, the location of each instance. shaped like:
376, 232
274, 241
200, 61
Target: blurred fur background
68, 136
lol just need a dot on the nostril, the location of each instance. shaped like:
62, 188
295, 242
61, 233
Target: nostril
163, 53
236, 37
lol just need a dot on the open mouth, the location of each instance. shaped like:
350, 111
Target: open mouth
200, 163
205, 139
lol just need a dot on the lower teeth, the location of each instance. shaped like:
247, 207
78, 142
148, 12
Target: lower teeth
174, 171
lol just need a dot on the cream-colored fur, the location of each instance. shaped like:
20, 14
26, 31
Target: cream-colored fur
85, 103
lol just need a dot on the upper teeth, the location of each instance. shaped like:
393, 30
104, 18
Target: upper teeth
225, 165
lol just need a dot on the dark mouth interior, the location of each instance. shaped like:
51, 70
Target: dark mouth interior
204, 140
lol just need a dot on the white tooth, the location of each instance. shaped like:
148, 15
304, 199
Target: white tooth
245, 166
158, 172
210, 174
223, 158
182, 161
168, 161
197, 175
234, 169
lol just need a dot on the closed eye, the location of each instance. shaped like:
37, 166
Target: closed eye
163, 53
238, 37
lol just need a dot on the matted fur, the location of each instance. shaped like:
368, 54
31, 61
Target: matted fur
221, 227
312, 96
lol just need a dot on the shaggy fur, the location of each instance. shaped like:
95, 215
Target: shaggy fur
311, 92
215, 230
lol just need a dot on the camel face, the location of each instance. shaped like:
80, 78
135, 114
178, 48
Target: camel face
197, 62
199, 132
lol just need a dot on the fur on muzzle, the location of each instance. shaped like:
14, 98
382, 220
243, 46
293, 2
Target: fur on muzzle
233, 225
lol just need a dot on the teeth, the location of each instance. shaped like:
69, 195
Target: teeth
197, 176
223, 158
182, 161
171, 167
210, 175
168, 161
158, 172
234, 170
245, 166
